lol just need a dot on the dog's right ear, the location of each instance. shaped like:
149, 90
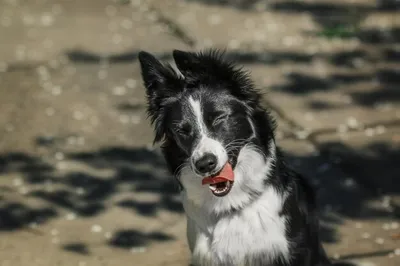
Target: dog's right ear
153, 72
161, 83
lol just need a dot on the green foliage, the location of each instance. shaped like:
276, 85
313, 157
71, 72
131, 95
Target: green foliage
339, 31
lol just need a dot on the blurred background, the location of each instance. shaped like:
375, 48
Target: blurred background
81, 183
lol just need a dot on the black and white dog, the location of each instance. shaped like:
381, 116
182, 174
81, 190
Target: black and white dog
208, 116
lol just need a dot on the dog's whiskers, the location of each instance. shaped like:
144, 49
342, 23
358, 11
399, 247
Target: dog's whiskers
179, 169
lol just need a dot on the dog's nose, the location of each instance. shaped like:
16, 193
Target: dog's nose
206, 163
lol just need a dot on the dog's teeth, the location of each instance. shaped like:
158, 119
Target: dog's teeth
219, 190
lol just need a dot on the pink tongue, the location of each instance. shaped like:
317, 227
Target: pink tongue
226, 174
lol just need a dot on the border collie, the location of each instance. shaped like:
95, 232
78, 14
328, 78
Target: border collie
244, 205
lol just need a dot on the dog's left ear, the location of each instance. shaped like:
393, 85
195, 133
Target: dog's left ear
211, 65
185, 61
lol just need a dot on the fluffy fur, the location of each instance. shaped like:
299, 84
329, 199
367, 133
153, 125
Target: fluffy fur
211, 111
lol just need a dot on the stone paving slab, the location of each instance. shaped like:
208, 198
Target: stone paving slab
371, 156
41, 30
366, 242
78, 99
335, 101
112, 206
40, 250
272, 26
356, 225
250, 30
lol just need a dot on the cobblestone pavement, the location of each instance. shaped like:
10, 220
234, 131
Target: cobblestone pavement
81, 184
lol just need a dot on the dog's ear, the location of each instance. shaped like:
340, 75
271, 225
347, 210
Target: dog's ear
153, 72
212, 66
161, 83
185, 61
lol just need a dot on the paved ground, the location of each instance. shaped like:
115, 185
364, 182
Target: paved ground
80, 183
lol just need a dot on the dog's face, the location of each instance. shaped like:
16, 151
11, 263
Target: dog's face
204, 116
210, 128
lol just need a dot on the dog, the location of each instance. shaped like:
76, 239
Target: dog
209, 118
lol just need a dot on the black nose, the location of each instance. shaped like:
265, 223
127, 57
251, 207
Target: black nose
206, 164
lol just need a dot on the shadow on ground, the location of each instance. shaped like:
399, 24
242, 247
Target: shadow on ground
314, 8
385, 78
84, 193
130, 170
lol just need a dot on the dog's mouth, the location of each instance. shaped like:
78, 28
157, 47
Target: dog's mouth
221, 189
221, 183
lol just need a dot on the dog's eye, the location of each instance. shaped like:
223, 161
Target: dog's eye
184, 131
219, 119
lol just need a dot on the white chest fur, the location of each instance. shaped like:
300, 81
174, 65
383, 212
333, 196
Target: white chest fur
257, 229
216, 238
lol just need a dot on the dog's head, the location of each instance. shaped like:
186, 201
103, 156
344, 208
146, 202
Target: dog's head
205, 114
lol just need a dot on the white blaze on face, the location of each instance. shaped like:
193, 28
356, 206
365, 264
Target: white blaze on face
206, 144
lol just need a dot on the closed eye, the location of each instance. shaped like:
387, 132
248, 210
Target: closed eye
184, 131
220, 119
